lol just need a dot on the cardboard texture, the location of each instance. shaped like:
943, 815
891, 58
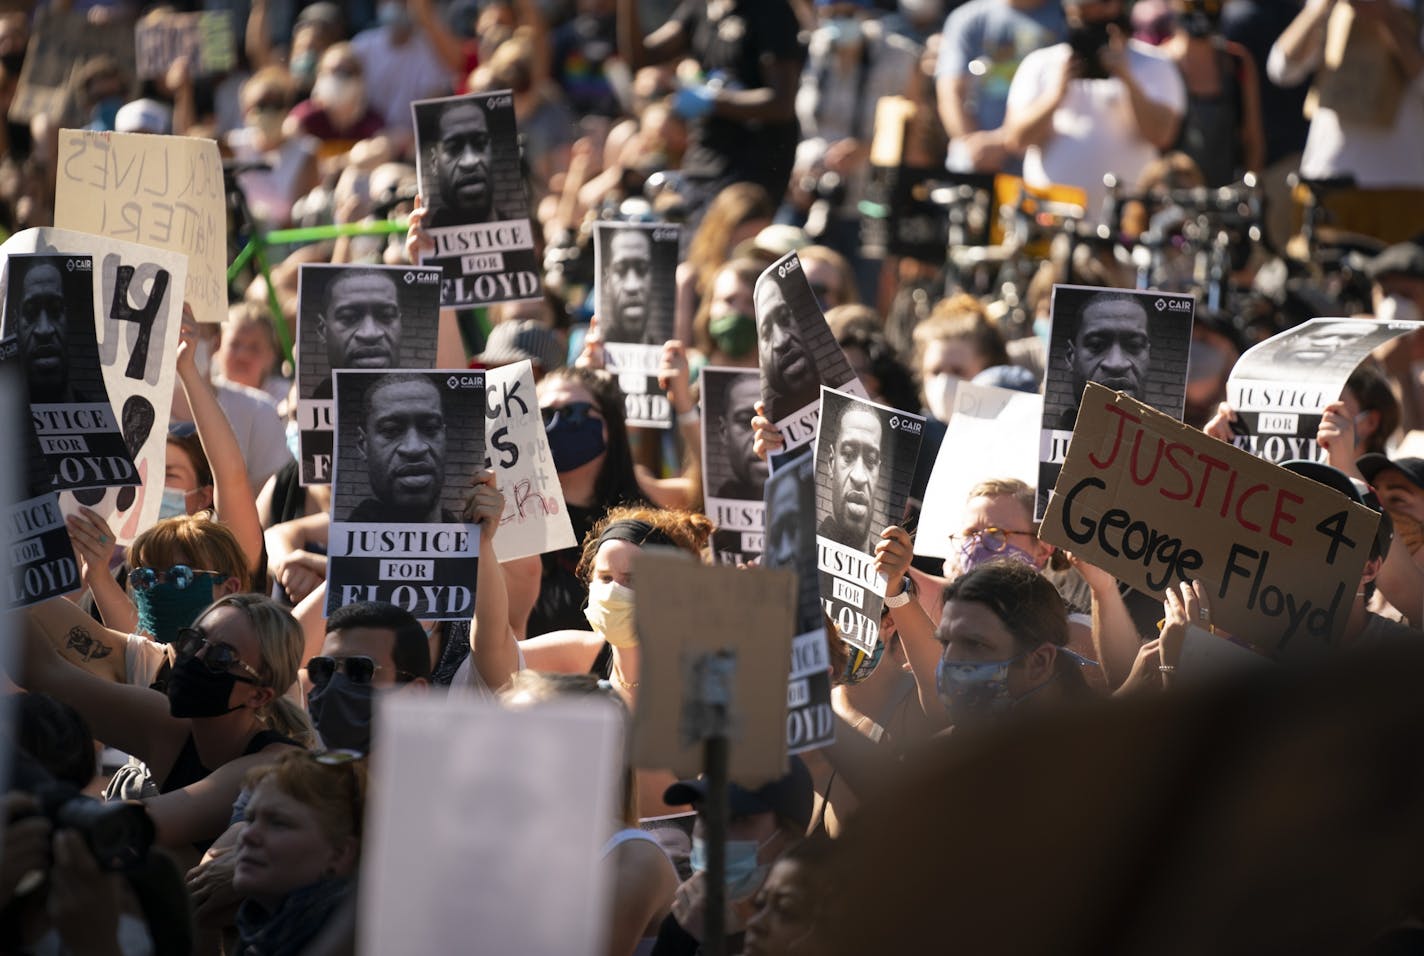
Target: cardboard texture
536, 519
1155, 502
164, 191
465, 788
205, 38
62, 41
686, 611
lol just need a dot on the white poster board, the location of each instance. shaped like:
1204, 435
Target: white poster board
536, 519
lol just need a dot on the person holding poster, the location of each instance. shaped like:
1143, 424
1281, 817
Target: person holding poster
865, 463
733, 474
636, 265
402, 439
630, 264
463, 161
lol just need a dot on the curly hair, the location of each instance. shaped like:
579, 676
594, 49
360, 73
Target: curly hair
689, 530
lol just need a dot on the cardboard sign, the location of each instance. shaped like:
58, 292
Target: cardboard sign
164, 191
1135, 342
205, 38
407, 446
733, 477
791, 543
469, 173
49, 307
796, 351
990, 434
865, 464
367, 316
141, 315
691, 618
41, 556
61, 42
536, 519
1155, 502
518, 767
1280, 387
636, 267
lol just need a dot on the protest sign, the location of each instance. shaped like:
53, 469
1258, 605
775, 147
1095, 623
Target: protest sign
469, 173
791, 543
636, 269
796, 351
62, 41
1280, 387
142, 315
535, 520
732, 474
696, 621
204, 38
513, 771
41, 556
366, 317
865, 463
49, 307
1136, 343
990, 434
407, 446
164, 191
1155, 502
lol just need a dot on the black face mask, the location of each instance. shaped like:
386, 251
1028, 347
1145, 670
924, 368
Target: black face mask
13, 62
1088, 38
195, 691
1198, 24
341, 711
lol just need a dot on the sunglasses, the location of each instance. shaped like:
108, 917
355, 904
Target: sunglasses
180, 576
576, 413
358, 669
220, 659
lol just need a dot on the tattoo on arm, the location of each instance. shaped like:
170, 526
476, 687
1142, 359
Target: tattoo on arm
85, 645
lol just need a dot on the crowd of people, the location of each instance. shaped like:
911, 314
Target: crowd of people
196, 674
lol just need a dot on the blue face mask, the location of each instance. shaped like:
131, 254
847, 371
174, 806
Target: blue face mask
165, 607
973, 691
106, 111
575, 437
744, 874
174, 503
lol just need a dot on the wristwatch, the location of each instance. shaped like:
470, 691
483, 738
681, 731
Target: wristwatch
903, 598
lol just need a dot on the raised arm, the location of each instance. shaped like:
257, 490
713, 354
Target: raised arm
1300, 47
893, 554
93, 541
449, 49
637, 50
80, 639
492, 644
232, 493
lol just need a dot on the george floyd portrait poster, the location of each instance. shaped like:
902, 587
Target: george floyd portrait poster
796, 351
1134, 342
733, 477
407, 446
49, 309
865, 464
635, 292
471, 180
364, 317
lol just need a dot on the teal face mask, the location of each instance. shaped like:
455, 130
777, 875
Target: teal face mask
165, 606
744, 874
734, 334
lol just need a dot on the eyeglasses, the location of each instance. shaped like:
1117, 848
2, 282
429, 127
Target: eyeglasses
220, 659
358, 669
576, 413
991, 539
180, 576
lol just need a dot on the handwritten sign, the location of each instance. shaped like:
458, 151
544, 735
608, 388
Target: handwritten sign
204, 38
62, 41
1156, 502
535, 520
164, 191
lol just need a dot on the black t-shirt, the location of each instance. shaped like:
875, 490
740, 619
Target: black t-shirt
729, 39
561, 593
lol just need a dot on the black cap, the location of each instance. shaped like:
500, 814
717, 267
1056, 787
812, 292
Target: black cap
1372, 464
1336, 479
1402, 258
792, 797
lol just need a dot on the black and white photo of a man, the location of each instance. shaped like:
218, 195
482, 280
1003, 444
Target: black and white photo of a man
788, 369
749, 471
629, 275
857, 451
402, 438
462, 160
1110, 343
359, 323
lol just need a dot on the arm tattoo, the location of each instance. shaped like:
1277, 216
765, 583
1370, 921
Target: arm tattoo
86, 646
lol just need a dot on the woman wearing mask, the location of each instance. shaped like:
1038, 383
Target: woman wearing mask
224, 713
297, 857
725, 327
737, 214
291, 159
955, 344
337, 113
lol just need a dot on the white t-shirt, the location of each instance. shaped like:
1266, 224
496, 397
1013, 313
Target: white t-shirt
396, 75
260, 431
1094, 131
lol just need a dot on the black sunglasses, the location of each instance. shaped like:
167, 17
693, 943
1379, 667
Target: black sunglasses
575, 412
180, 576
358, 669
220, 658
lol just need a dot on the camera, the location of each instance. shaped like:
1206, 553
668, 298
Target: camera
118, 834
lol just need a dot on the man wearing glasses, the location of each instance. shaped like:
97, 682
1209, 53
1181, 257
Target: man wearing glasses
360, 323
370, 646
855, 475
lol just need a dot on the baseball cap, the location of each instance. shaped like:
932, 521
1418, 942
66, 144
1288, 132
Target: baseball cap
144, 116
1403, 259
791, 797
1336, 479
1372, 464
520, 339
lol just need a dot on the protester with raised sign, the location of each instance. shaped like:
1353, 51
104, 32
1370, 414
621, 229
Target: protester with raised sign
724, 329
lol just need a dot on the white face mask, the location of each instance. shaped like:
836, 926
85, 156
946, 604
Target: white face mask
336, 92
610, 613
939, 394
1397, 308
